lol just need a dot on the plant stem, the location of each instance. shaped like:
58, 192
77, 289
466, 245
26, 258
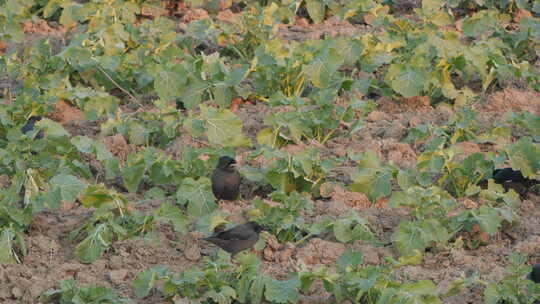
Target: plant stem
120, 87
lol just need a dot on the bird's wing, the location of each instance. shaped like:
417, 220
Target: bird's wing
237, 233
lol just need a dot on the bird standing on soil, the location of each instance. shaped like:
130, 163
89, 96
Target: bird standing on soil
535, 274
238, 238
226, 179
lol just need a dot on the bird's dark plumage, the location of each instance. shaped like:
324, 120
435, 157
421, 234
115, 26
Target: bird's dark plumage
226, 179
535, 274
508, 174
512, 179
30, 124
238, 238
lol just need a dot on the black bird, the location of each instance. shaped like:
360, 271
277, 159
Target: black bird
535, 274
30, 124
226, 179
508, 174
238, 238
511, 179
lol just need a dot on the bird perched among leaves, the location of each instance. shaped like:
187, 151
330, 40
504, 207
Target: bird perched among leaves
30, 124
535, 274
511, 179
226, 179
238, 238
508, 174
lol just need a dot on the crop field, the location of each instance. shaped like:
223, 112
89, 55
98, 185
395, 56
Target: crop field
371, 137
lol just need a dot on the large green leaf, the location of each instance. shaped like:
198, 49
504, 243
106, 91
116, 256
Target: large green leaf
69, 185
223, 127
323, 67
489, 219
524, 155
316, 10
198, 195
375, 184
170, 85
277, 291
409, 81
11, 240
133, 174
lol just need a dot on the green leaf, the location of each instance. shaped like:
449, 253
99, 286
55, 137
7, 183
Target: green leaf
174, 215
281, 291
198, 195
146, 280
418, 235
236, 76
133, 175
266, 137
322, 68
83, 143
406, 178
226, 295
223, 127
373, 183
97, 196
70, 186
170, 85
491, 294
409, 81
95, 244
257, 288
316, 10
352, 228
9, 239
194, 93
524, 155
424, 291
53, 128
349, 259
138, 135
488, 218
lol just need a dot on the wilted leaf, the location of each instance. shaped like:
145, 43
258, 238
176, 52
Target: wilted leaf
94, 245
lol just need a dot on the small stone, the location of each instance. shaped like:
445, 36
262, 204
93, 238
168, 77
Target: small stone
118, 276
17, 292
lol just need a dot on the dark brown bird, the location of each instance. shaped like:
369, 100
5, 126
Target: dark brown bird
238, 238
535, 274
226, 179
30, 124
